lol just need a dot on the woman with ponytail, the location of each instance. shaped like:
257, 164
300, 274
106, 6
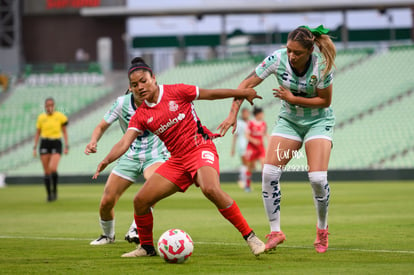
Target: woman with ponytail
305, 77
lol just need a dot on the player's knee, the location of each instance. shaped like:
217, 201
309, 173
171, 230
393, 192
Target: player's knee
107, 203
270, 175
213, 193
142, 203
270, 170
319, 183
208, 191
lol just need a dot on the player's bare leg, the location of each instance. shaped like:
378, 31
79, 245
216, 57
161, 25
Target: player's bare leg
155, 189
114, 188
208, 180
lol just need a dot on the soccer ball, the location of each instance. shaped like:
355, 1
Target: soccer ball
175, 246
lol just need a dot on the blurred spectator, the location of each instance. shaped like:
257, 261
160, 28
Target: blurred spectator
255, 133
239, 144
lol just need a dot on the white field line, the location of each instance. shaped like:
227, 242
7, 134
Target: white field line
219, 243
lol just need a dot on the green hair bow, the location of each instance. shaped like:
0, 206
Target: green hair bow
317, 31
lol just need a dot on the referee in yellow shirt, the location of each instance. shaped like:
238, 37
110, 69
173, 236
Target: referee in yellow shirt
50, 126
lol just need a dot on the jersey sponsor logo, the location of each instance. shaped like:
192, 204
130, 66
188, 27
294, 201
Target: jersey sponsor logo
208, 156
171, 122
173, 106
286, 77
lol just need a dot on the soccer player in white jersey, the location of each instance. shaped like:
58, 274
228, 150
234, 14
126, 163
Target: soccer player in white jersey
239, 144
305, 76
143, 157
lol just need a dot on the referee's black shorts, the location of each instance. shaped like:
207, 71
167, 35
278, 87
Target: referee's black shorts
50, 146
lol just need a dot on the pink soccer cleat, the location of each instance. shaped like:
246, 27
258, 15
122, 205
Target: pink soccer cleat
274, 239
321, 242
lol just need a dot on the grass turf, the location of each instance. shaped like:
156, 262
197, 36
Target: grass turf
371, 226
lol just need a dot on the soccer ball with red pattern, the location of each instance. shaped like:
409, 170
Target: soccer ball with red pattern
175, 246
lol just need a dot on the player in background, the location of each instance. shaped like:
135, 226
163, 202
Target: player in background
168, 111
143, 157
50, 127
239, 143
305, 76
255, 134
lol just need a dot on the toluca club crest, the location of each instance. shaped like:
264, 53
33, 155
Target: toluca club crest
173, 106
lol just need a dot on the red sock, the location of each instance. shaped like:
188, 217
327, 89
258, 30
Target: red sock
144, 226
233, 215
248, 178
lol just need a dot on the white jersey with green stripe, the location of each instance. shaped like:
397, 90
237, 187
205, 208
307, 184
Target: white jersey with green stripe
145, 147
304, 86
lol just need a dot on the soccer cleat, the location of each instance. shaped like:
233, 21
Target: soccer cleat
103, 240
321, 242
140, 252
256, 245
274, 239
132, 236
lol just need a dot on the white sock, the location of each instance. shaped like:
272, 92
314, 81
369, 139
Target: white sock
242, 174
108, 227
321, 193
272, 195
133, 224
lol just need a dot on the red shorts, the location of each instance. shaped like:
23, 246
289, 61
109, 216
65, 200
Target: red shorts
254, 153
181, 170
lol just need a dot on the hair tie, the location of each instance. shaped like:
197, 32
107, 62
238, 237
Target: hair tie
317, 31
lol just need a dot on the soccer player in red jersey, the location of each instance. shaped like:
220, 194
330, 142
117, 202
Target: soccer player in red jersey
255, 151
168, 111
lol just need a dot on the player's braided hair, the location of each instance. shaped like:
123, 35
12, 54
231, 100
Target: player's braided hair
323, 41
139, 64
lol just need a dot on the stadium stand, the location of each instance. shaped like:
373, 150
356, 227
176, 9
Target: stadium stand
19, 112
375, 80
378, 136
372, 102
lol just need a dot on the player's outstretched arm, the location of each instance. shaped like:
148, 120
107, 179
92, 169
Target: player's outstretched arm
251, 81
117, 151
211, 94
97, 133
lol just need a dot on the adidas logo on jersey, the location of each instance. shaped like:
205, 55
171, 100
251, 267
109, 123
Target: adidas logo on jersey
171, 122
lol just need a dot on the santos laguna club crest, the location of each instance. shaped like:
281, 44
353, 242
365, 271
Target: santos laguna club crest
313, 79
173, 106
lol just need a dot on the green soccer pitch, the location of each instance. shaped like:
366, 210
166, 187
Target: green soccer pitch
371, 228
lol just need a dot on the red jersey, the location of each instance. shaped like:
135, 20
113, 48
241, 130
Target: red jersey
257, 130
173, 119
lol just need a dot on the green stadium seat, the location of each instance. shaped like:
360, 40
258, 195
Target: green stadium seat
364, 81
